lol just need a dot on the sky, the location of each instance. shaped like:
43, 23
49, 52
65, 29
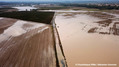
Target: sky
56, 0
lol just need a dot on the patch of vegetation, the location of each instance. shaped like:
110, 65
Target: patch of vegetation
42, 17
105, 23
92, 30
104, 33
100, 15
116, 30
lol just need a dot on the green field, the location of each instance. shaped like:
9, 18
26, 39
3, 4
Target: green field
35, 16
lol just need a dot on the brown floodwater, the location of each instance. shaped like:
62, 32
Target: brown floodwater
81, 47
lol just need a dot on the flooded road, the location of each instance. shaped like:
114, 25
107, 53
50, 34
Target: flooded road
82, 47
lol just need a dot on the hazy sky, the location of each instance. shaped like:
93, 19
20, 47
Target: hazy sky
59, 0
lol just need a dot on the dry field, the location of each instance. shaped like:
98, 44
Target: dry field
26, 44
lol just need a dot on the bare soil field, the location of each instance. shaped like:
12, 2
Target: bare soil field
7, 9
5, 23
26, 44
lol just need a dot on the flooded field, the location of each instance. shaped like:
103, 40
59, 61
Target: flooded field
89, 37
24, 8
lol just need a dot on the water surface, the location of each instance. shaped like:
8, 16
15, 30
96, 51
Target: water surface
81, 47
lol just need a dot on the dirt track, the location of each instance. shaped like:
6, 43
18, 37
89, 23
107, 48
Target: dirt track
34, 48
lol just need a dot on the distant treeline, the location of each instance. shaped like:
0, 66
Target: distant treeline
103, 7
41, 17
53, 8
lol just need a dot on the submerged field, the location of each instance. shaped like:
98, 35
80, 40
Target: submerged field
89, 37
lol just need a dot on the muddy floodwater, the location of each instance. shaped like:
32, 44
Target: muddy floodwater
86, 40
24, 8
